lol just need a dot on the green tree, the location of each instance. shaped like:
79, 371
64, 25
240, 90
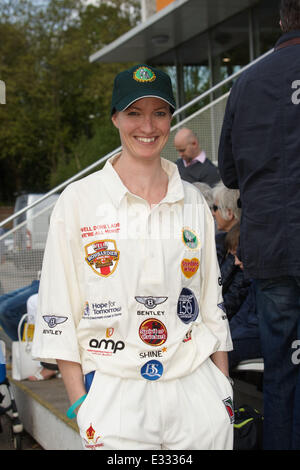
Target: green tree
57, 102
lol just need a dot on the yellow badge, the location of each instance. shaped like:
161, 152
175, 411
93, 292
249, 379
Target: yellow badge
189, 267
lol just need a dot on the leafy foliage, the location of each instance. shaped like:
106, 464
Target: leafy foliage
57, 119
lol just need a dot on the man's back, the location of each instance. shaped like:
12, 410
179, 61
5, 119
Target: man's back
259, 154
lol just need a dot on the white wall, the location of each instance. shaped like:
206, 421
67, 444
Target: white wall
148, 8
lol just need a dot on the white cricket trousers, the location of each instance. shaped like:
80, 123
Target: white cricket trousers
188, 413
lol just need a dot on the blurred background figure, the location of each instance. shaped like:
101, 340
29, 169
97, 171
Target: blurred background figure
193, 165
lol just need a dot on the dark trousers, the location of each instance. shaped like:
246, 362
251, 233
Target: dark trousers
278, 307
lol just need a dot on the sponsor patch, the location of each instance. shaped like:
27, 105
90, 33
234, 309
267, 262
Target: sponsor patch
109, 332
153, 332
106, 347
102, 256
101, 310
229, 408
190, 239
152, 370
53, 320
150, 302
189, 267
144, 74
187, 306
92, 441
154, 353
187, 337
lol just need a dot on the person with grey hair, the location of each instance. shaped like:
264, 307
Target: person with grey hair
227, 215
226, 209
206, 192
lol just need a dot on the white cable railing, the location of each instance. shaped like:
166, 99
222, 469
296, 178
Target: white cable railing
22, 247
114, 152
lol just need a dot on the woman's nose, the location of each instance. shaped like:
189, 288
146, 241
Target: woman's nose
147, 124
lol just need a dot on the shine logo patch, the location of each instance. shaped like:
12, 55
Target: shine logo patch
102, 256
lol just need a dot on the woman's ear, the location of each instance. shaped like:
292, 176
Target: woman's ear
115, 120
230, 214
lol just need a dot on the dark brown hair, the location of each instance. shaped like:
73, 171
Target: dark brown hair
232, 238
290, 15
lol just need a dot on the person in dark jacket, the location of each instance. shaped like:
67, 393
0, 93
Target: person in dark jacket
234, 285
243, 322
193, 165
259, 154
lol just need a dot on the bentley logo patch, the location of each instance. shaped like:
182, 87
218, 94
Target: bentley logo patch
54, 320
102, 256
151, 302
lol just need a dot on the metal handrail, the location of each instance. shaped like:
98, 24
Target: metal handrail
114, 152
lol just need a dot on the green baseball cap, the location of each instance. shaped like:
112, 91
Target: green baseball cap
139, 82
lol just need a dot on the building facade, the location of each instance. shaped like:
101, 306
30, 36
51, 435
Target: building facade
200, 41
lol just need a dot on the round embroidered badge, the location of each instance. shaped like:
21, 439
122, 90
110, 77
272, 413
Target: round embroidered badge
190, 239
152, 370
187, 307
144, 74
153, 332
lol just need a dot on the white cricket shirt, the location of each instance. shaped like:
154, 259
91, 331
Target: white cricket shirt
128, 289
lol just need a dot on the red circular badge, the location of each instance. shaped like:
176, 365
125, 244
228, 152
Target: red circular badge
153, 332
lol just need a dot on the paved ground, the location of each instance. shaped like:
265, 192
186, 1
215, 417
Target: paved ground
6, 439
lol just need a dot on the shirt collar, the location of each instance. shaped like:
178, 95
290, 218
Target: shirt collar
117, 190
287, 36
200, 158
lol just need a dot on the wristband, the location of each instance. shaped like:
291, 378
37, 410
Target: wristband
70, 412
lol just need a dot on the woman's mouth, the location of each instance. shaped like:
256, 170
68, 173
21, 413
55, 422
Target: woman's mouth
146, 140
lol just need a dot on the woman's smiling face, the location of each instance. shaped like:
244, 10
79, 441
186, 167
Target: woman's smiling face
144, 127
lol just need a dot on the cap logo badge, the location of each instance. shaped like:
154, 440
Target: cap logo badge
144, 74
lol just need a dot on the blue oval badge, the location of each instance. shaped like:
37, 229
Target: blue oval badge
187, 306
152, 370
